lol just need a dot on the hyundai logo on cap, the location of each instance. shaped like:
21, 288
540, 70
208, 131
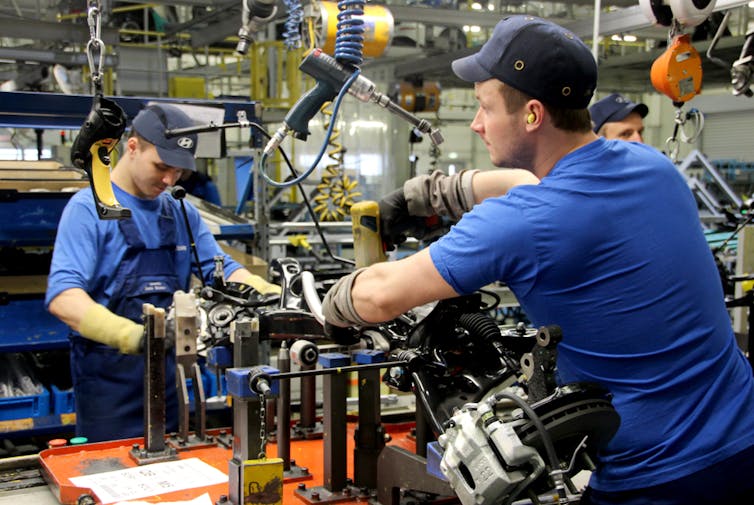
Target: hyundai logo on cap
185, 143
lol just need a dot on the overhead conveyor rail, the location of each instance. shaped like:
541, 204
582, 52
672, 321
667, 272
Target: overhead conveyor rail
19, 109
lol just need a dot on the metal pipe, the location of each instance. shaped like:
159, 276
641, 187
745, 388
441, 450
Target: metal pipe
308, 392
14, 462
308, 225
284, 410
596, 31
336, 370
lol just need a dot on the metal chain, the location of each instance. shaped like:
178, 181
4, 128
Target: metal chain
262, 422
95, 48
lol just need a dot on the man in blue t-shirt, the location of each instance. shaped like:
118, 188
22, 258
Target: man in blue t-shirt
102, 272
617, 117
601, 237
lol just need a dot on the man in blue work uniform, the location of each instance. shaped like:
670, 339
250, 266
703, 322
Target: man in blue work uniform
103, 271
601, 237
617, 117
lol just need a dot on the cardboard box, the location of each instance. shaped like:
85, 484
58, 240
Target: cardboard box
253, 264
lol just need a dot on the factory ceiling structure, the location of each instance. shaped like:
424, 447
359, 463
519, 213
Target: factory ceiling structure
46, 32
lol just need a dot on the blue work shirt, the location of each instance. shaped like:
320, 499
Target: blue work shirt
609, 247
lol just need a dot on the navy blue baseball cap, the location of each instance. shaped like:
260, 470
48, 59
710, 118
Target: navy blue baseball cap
614, 108
537, 57
151, 124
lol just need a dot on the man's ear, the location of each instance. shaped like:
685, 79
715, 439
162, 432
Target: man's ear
534, 112
132, 145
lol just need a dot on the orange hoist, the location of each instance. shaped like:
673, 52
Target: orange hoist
677, 72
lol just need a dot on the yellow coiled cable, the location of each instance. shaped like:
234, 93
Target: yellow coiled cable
336, 192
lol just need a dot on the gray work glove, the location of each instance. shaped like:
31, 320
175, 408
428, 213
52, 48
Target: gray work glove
337, 307
414, 210
440, 194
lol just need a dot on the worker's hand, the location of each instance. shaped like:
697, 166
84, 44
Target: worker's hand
337, 307
396, 224
103, 326
261, 285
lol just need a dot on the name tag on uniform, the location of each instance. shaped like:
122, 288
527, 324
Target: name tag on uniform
154, 287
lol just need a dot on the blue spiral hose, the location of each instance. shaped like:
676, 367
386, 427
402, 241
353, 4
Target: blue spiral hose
291, 31
349, 39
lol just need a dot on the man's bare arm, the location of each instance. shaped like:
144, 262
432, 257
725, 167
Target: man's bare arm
70, 306
498, 182
385, 290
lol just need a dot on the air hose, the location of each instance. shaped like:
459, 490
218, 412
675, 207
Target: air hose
291, 32
349, 39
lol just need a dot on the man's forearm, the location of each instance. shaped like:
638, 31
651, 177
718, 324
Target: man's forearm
96, 322
70, 306
498, 182
454, 195
386, 290
373, 299
239, 275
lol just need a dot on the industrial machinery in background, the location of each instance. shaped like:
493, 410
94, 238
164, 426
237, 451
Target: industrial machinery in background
677, 72
336, 76
324, 17
742, 69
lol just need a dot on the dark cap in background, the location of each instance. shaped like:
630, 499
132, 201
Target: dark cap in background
151, 124
537, 57
614, 108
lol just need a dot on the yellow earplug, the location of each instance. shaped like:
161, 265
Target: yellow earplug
531, 118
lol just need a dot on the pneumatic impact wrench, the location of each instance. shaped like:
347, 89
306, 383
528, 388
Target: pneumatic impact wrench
331, 76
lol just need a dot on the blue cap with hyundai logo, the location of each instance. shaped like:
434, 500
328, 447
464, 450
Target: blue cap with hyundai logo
151, 124
614, 108
537, 57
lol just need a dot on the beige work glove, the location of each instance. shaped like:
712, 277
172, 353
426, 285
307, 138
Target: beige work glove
337, 307
103, 326
261, 285
440, 194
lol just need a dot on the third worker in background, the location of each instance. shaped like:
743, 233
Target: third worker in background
617, 117
599, 237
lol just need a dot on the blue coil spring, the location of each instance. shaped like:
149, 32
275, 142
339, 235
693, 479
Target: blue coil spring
349, 39
291, 31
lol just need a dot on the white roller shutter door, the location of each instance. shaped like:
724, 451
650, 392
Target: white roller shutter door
728, 136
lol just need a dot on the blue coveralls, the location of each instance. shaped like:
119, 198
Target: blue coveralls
108, 385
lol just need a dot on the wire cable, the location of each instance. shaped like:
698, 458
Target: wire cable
495, 299
321, 233
552, 456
